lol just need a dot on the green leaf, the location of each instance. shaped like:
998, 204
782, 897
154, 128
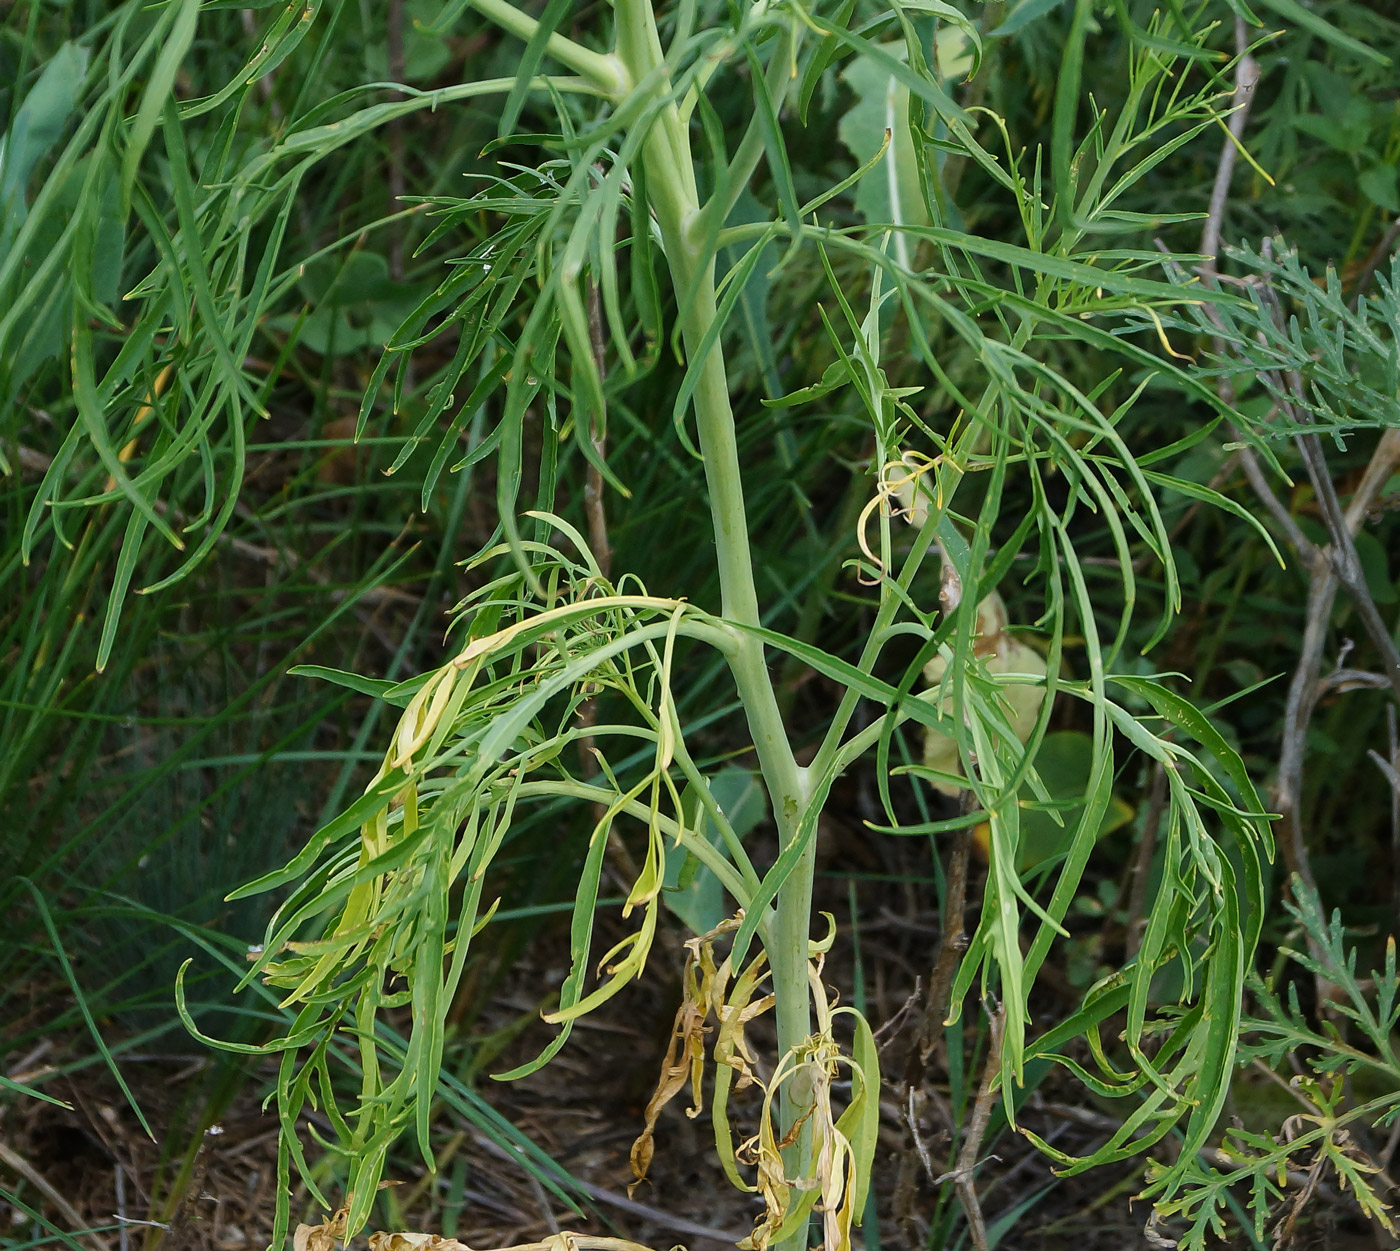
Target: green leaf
889, 195
81, 1000
921, 710
1375, 565
31, 1092
529, 62
1187, 717
174, 43
1021, 15
1292, 11
1379, 185
377, 687
1065, 763
35, 129
699, 901
1066, 110
860, 1122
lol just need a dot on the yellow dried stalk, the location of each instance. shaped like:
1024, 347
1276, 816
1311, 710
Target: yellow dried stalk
834, 1180
562, 1241
899, 492
324, 1236
703, 997
685, 1058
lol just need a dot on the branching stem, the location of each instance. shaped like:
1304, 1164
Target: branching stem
675, 201
672, 189
603, 71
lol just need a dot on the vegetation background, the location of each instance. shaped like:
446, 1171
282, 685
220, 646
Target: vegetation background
237, 206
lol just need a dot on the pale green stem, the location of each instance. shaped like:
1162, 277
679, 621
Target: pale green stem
674, 197
750, 151
671, 183
598, 68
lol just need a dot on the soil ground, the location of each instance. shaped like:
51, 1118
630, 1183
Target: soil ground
91, 1167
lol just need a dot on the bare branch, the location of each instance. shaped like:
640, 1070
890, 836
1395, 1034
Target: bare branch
1310, 553
963, 1175
1246, 79
951, 945
1345, 562
1373, 262
1302, 698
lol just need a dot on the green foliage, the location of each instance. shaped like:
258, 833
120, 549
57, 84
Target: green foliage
478, 733
136, 798
666, 267
1306, 341
1351, 1043
692, 891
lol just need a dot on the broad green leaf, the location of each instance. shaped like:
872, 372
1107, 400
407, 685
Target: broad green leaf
691, 890
889, 195
1065, 765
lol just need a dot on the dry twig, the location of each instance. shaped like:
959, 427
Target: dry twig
1373, 262
962, 1176
21, 1167
1246, 79
928, 1029
1328, 569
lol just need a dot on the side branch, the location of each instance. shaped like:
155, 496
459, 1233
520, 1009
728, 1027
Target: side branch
605, 71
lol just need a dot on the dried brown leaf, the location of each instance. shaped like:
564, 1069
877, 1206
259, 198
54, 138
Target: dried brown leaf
414, 1242
322, 1237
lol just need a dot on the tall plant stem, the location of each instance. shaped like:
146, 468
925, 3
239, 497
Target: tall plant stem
638, 63
671, 184
600, 70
